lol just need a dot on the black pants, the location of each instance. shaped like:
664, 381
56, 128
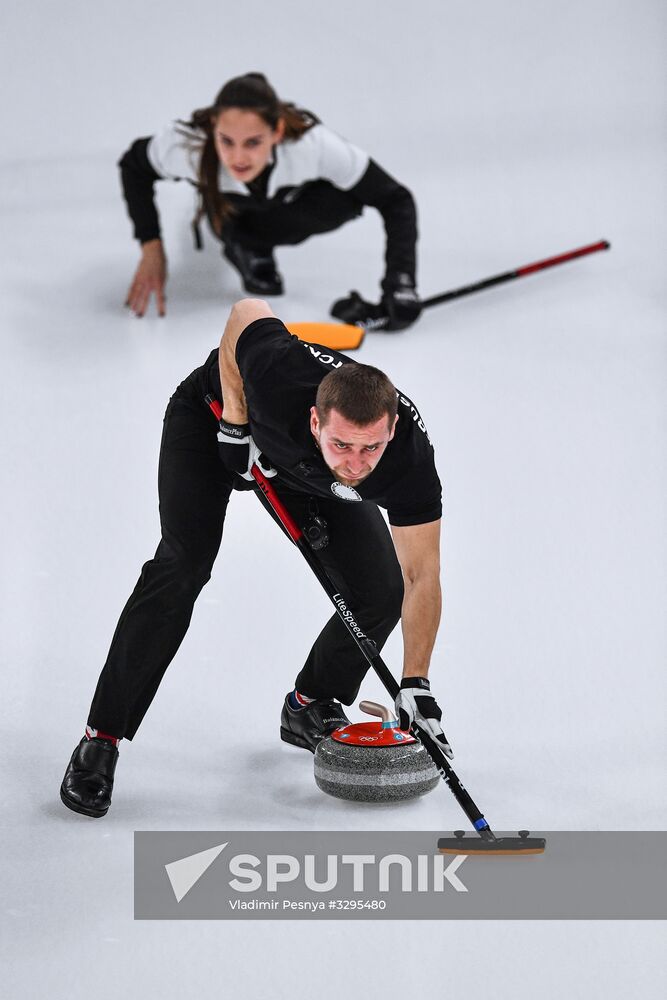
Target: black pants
194, 489
317, 207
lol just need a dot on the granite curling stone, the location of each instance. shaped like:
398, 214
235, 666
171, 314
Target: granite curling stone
374, 761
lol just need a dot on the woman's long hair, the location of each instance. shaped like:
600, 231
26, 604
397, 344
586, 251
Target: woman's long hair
252, 92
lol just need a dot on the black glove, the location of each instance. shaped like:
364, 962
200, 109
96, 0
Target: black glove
400, 301
415, 703
398, 308
239, 452
358, 312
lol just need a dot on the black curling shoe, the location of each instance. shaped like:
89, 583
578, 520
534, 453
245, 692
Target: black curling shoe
258, 270
88, 780
305, 727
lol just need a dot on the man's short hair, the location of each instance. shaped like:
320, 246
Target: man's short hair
360, 393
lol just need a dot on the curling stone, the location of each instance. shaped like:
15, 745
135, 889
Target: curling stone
374, 761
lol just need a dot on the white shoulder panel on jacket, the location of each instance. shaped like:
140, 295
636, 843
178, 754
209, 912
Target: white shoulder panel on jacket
174, 152
319, 154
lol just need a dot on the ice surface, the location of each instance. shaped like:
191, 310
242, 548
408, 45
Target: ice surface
523, 130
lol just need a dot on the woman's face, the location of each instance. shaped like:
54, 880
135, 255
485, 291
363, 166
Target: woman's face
244, 142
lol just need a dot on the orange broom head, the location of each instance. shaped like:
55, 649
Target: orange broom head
337, 336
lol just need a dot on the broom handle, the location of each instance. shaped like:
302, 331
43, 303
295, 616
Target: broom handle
519, 272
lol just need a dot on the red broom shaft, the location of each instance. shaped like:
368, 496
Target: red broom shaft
519, 272
562, 258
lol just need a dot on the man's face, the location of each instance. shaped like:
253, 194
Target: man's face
350, 451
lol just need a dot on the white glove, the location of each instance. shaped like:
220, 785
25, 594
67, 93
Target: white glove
239, 452
415, 703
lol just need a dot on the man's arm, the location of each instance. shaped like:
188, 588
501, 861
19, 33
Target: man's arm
418, 551
234, 408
